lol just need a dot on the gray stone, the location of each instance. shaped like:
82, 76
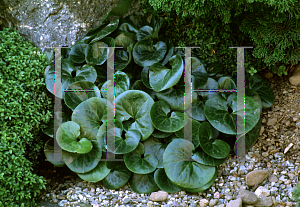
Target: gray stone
256, 177
247, 196
54, 23
273, 178
213, 202
264, 201
158, 196
295, 78
235, 203
262, 192
272, 121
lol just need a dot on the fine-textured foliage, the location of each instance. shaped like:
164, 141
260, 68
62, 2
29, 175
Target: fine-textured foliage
25, 108
271, 27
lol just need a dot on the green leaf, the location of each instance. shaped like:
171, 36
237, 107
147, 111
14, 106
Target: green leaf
216, 112
218, 149
82, 163
66, 137
97, 174
117, 177
96, 54
163, 182
73, 99
161, 121
119, 10
105, 31
162, 78
194, 134
182, 172
137, 105
157, 148
198, 71
146, 54
77, 53
50, 153
262, 87
84, 73
141, 183
140, 165
89, 115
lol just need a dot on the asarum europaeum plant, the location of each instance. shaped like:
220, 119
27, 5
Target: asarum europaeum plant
149, 111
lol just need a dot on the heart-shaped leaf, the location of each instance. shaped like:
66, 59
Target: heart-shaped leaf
82, 163
182, 172
136, 163
145, 77
218, 149
124, 40
161, 120
117, 177
73, 99
77, 53
138, 85
124, 146
67, 135
174, 96
89, 115
96, 53
141, 183
144, 32
199, 74
216, 109
162, 78
201, 157
137, 105
145, 53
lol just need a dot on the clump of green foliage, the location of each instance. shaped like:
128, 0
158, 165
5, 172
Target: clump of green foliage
215, 25
25, 109
296, 194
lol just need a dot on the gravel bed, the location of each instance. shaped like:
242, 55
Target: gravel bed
272, 163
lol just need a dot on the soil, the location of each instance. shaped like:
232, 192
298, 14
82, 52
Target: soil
286, 111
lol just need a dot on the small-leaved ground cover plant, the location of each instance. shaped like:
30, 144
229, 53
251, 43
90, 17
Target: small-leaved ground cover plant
25, 109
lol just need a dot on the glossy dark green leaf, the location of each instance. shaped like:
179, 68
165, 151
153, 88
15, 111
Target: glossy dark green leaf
202, 188
253, 94
162, 78
201, 157
218, 149
117, 177
157, 148
82, 163
105, 31
138, 85
137, 105
146, 53
210, 84
97, 174
194, 134
126, 27
67, 138
161, 121
170, 50
251, 137
199, 73
73, 99
141, 183
160, 134
77, 53
262, 87
138, 164
84, 73
124, 146
216, 112
145, 77
144, 32
163, 182
174, 96
184, 172
123, 58
96, 53
124, 40
89, 115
